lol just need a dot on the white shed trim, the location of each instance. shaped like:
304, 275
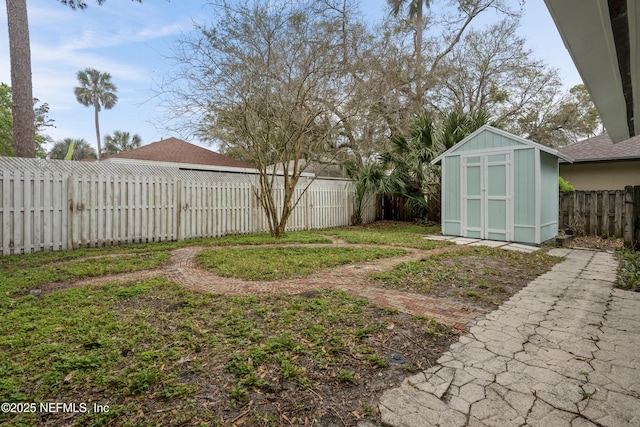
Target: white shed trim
506, 135
538, 195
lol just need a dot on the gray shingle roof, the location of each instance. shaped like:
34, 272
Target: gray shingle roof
601, 148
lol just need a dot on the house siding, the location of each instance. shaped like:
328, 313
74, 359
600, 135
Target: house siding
601, 175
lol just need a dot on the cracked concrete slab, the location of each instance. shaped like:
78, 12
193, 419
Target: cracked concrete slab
561, 352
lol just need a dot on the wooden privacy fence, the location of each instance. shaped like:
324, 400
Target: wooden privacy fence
393, 208
608, 213
48, 205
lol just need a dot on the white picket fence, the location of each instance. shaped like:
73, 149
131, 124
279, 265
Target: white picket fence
50, 205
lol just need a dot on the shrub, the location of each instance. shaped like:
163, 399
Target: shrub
564, 185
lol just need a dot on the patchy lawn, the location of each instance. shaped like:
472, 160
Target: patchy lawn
157, 354
390, 233
478, 275
273, 263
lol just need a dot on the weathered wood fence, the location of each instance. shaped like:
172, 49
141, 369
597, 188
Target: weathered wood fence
608, 213
393, 208
49, 205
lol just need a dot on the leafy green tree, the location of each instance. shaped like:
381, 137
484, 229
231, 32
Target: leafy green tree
97, 90
81, 149
7, 147
6, 121
119, 142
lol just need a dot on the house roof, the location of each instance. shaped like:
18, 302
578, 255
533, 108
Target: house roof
601, 148
175, 150
603, 38
326, 168
487, 128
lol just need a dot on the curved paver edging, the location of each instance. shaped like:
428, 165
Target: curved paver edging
561, 352
183, 270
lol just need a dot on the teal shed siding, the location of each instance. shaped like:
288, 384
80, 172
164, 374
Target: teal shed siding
451, 199
524, 200
549, 199
487, 141
499, 186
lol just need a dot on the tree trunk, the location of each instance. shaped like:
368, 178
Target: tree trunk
419, 75
97, 108
22, 93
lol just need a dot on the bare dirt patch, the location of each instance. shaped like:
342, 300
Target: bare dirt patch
475, 276
597, 243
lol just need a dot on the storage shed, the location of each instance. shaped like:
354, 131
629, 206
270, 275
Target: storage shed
499, 186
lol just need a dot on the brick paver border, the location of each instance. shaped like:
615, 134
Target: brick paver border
183, 270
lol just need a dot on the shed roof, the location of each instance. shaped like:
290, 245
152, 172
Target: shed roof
516, 138
601, 148
175, 150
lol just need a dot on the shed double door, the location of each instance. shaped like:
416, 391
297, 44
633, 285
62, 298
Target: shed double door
486, 206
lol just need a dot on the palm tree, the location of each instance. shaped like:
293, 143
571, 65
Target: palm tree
368, 180
96, 89
456, 125
20, 57
416, 12
120, 141
409, 158
81, 149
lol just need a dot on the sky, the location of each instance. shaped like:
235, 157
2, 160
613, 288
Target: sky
131, 41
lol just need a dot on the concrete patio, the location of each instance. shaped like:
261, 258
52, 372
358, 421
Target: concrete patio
564, 351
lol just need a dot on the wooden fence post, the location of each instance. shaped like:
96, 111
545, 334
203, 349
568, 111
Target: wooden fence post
178, 210
636, 218
628, 226
72, 215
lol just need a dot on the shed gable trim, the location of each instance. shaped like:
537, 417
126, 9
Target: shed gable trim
518, 139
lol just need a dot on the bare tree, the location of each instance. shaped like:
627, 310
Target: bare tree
492, 70
436, 28
266, 78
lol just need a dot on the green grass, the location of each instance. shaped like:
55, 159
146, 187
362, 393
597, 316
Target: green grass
18, 262
629, 272
273, 263
394, 234
31, 275
147, 349
479, 273
307, 237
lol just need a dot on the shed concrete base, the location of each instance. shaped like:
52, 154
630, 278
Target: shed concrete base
491, 243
